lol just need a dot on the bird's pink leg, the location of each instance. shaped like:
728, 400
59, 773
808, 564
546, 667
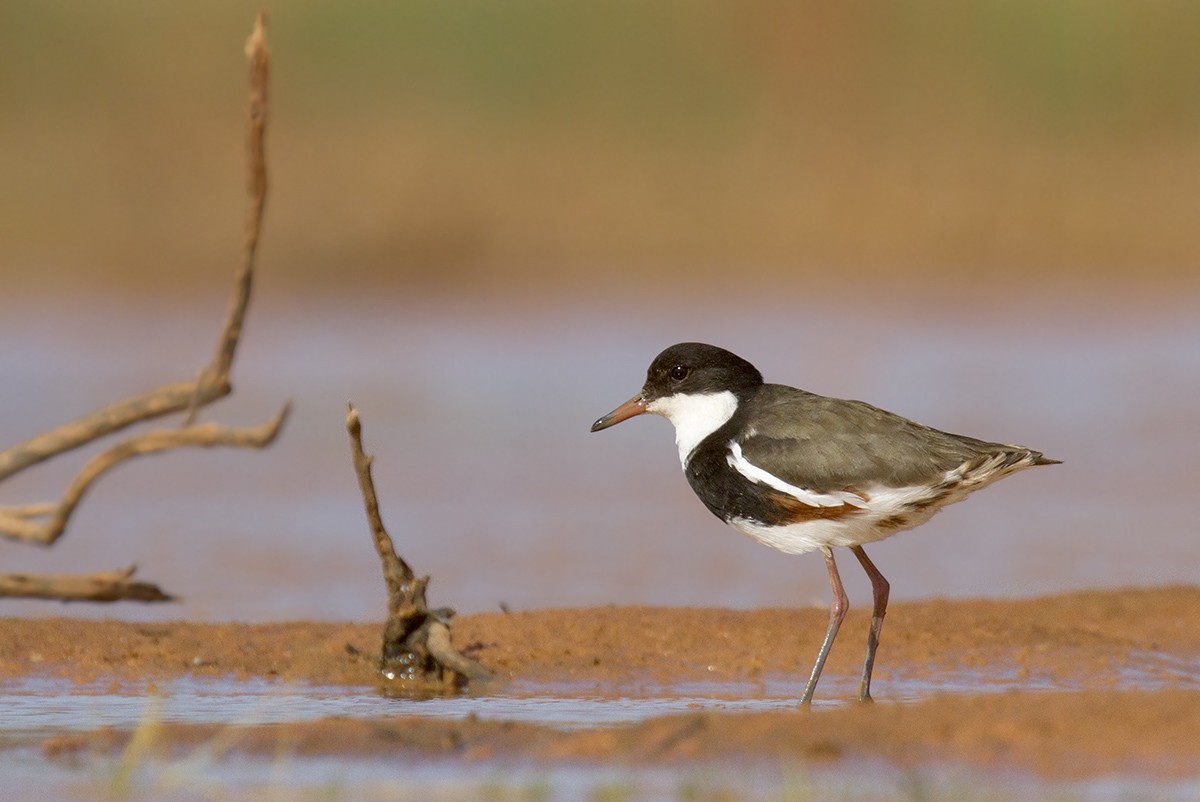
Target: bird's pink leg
837, 611
880, 589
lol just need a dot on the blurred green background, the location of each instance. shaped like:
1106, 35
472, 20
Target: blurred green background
590, 144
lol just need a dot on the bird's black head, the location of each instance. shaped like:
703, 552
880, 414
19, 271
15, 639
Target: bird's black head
687, 369
697, 369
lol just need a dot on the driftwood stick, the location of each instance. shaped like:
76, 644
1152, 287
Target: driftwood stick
439, 645
213, 381
29, 510
403, 588
416, 646
44, 523
16, 524
103, 587
258, 55
164, 400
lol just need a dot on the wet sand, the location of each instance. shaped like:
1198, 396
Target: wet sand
1074, 686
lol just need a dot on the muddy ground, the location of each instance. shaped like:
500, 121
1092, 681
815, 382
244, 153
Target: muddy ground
1078, 685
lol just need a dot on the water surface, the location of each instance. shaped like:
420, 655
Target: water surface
477, 412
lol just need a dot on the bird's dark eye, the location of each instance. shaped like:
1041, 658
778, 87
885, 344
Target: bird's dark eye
679, 372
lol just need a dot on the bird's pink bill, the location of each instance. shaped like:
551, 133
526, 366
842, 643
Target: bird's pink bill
631, 408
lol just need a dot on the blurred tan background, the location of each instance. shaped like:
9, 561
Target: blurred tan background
797, 181
479, 144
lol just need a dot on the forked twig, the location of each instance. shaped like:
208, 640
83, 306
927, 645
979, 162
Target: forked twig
16, 522
44, 523
416, 645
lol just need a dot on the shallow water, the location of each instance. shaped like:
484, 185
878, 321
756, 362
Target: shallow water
43, 705
41, 708
478, 414
32, 709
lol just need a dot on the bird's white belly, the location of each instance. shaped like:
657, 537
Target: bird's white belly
811, 535
888, 512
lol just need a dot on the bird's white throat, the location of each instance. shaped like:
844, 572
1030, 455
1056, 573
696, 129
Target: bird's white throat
694, 417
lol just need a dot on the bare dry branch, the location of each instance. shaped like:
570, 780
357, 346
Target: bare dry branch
416, 645
165, 400
15, 523
213, 381
403, 587
44, 523
259, 57
103, 587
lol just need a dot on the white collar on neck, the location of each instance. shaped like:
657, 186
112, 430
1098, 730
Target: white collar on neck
695, 417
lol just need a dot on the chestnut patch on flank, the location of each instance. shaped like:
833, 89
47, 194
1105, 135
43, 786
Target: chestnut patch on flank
795, 511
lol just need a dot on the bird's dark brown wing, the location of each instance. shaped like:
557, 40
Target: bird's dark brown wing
824, 444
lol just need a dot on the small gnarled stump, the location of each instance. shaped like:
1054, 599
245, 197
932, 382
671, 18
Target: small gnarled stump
416, 650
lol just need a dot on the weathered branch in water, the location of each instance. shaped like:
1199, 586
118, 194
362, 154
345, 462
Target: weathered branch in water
103, 587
